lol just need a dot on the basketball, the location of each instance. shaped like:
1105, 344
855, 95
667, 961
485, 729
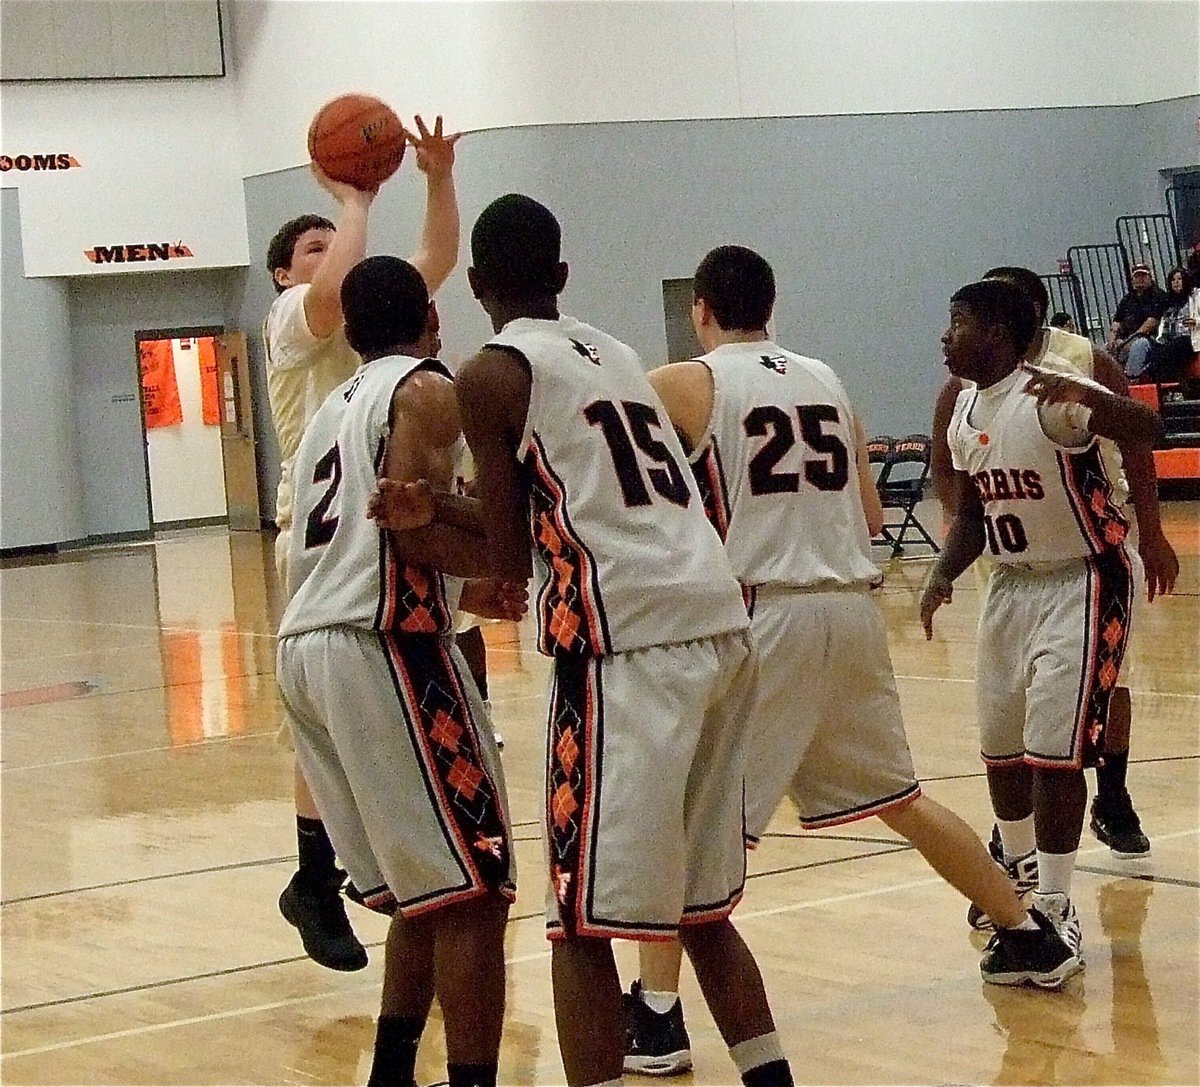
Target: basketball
357, 139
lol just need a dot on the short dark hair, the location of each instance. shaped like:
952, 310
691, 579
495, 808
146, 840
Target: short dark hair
739, 286
1029, 281
516, 247
1061, 319
1001, 302
282, 248
385, 304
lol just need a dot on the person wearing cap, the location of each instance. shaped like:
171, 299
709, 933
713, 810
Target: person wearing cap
1136, 320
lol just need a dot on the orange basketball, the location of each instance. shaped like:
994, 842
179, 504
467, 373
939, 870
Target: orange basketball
357, 139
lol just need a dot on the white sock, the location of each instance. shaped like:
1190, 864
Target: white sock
659, 1002
1055, 871
1017, 837
755, 1052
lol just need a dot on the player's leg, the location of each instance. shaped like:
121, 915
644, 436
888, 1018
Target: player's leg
656, 1037
1078, 647
715, 823
408, 989
1114, 820
587, 1009
312, 900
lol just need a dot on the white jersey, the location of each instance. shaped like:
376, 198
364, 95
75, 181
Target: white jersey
777, 470
342, 568
630, 559
1045, 498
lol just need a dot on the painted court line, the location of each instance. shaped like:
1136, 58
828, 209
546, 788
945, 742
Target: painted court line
291, 1002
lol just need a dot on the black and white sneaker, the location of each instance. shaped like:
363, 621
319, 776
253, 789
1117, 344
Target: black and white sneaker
1023, 872
1042, 958
1061, 912
1116, 824
656, 1044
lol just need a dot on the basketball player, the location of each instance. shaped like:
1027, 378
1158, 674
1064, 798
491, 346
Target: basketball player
781, 459
645, 622
1034, 490
307, 356
390, 730
1113, 819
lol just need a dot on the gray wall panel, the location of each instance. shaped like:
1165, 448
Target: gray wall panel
106, 314
40, 491
871, 222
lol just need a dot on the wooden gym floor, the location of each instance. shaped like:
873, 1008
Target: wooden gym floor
148, 829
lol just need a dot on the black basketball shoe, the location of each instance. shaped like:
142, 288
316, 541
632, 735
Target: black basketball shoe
1116, 824
1022, 871
1042, 958
656, 1044
319, 914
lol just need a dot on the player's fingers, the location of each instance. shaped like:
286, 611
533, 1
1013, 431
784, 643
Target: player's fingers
437, 127
421, 127
452, 140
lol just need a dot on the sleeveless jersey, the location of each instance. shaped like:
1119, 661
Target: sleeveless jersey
342, 568
628, 558
777, 469
1042, 501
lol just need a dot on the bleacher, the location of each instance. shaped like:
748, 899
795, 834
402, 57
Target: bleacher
1094, 278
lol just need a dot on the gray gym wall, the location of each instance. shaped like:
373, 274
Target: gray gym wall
870, 222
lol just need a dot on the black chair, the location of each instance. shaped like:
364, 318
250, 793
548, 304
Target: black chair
902, 482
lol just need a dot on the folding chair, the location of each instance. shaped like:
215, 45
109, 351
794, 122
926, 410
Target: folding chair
902, 483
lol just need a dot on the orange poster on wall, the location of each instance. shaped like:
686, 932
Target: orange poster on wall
160, 392
210, 386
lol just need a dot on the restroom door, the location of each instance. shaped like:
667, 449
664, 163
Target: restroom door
237, 432
181, 412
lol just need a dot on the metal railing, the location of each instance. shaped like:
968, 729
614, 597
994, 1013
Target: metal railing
1183, 209
1103, 275
1066, 296
1151, 238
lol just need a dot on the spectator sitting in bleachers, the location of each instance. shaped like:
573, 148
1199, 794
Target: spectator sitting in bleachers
1135, 323
1178, 337
1062, 319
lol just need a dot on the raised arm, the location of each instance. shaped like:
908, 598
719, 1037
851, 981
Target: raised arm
437, 254
1115, 417
323, 302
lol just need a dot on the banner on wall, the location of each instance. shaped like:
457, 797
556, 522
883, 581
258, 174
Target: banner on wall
160, 390
210, 385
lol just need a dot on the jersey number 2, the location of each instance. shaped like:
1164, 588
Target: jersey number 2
319, 528
667, 478
773, 423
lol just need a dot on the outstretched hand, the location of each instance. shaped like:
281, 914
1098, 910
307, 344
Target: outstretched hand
435, 152
938, 591
492, 598
1050, 387
401, 506
1161, 563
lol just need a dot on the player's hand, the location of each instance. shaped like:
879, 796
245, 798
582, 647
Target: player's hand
342, 191
401, 506
1049, 387
1161, 562
939, 590
435, 152
491, 598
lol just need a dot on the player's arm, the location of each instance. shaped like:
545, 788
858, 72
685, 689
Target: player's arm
686, 390
420, 454
437, 254
323, 301
964, 544
1158, 556
941, 468
1117, 417
871, 502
